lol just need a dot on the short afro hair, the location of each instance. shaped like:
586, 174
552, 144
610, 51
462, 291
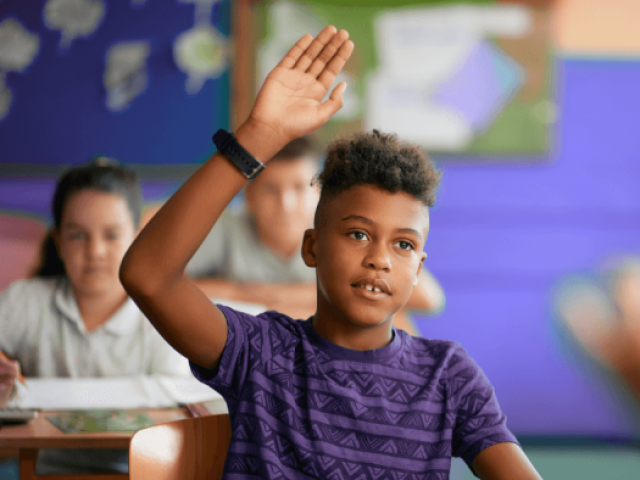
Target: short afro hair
380, 160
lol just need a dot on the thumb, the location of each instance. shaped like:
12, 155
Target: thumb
331, 105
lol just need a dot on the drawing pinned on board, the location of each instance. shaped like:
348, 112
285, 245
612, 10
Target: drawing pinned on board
18, 50
125, 75
482, 76
74, 18
201, 53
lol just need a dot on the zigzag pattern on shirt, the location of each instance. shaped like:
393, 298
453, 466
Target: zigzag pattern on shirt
472, 403
410, 448
320, 464
345, 407
360, 383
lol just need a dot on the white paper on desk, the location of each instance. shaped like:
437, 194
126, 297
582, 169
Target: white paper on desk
188, 390
140, 391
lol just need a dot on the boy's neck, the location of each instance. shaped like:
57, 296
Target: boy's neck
353, 337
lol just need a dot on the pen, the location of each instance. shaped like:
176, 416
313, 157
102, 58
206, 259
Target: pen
20, 376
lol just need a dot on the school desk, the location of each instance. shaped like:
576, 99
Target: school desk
27, 438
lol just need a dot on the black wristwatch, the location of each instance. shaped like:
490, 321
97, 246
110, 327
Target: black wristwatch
230, 148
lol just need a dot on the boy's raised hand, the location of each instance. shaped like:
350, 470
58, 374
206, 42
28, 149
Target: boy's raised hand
289, 103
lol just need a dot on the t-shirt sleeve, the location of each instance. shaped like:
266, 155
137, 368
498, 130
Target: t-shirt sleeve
247, 349
209, 259
479, 421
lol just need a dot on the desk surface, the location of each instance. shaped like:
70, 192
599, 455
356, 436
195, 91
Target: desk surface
40, 433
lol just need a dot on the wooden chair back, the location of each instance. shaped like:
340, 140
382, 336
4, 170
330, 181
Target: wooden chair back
193, 448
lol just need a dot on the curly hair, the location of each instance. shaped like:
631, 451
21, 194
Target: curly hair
380, 160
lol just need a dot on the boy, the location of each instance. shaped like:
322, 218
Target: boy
253, 256
343, 394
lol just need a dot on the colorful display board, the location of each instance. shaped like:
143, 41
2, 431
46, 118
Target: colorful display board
145, 82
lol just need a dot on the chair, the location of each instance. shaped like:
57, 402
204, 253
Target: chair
20, 238
193, 448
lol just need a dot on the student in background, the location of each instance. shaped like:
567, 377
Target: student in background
603, 315
343, 394
74, 318
253, 255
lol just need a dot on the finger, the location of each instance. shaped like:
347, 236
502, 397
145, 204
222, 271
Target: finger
315, 48
10, 369
296, 52
334, 67
328, 52
332, 104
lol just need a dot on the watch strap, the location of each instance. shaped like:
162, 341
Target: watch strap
230, 148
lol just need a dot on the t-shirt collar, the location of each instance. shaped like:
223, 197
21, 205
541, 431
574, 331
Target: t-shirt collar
366, 356
121, 323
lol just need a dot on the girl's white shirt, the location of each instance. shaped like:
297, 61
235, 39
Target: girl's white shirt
41, 327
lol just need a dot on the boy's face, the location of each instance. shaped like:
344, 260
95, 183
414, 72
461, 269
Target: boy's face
368, 253
283, 202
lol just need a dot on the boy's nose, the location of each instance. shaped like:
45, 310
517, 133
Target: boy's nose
378, 257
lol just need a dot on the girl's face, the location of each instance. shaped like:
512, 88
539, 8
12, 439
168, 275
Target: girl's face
95, 232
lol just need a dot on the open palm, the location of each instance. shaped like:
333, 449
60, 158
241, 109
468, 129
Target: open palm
290, 100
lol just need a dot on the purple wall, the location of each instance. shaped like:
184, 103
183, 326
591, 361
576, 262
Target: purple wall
504, 235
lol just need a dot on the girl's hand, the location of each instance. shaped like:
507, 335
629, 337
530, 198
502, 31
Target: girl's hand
9, 372
289, 104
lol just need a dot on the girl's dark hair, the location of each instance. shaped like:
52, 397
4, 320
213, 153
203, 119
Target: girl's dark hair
101, 174
380, 160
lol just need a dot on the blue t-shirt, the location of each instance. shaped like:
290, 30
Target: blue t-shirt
302, 407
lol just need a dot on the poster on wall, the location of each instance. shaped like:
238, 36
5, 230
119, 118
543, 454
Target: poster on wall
462, 79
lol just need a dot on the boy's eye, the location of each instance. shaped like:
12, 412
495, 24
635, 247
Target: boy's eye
112, 236
76, 236
358, 235
404, 245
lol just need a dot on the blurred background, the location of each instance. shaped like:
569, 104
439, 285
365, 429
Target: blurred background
531, 109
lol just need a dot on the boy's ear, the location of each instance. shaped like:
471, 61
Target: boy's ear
309, 247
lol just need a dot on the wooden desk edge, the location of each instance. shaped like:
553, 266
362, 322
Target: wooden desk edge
39, 433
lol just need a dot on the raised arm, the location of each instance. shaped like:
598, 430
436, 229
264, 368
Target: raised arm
289, 105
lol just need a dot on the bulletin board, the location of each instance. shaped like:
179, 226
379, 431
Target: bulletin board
462, 79
145, 82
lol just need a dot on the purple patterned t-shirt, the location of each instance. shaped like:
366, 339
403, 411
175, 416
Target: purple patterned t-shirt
302, 407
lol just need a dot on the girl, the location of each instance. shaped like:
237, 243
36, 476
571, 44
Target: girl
74, 319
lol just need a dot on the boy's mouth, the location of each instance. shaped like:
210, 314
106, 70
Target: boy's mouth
373, 285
